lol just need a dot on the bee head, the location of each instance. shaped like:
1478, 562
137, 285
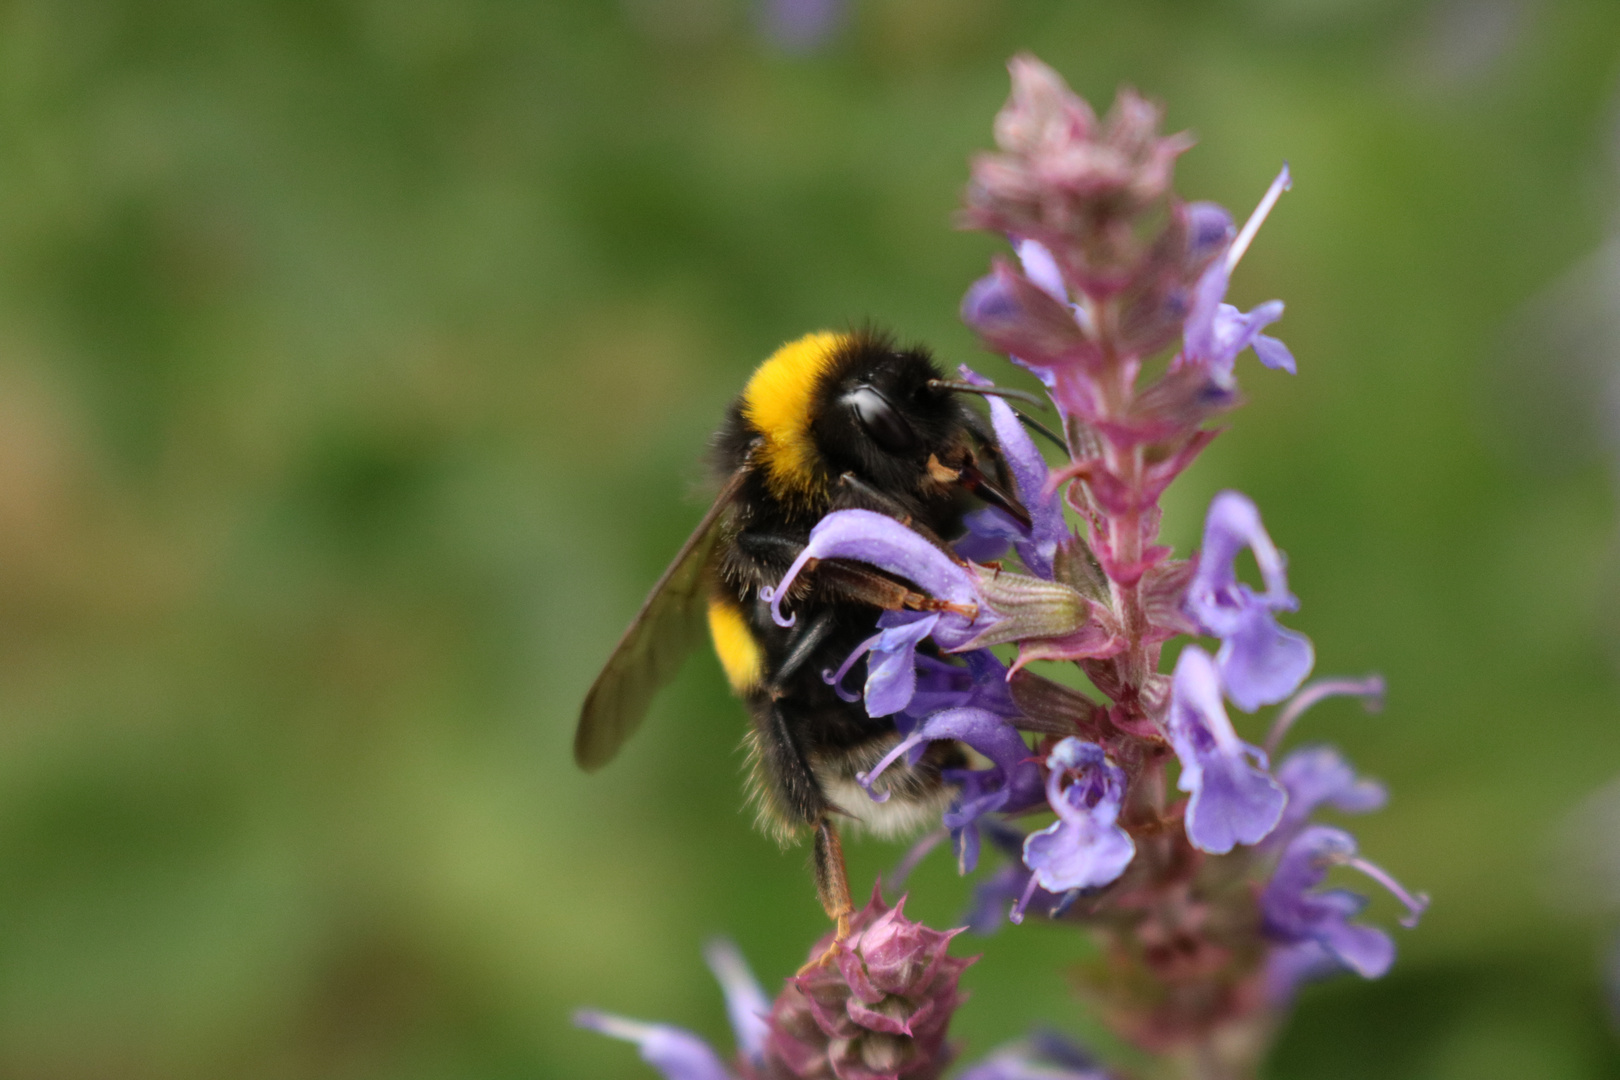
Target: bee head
883, 416
830, 404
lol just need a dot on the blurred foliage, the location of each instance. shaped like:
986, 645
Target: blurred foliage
356, 359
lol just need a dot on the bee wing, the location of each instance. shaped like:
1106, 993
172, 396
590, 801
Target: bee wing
652, 649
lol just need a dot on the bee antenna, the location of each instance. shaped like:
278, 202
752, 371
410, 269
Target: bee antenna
989, 391
1041, 429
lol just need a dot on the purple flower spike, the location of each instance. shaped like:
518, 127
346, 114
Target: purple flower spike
678, 1054
1296, 915
1260, 662
1085, 848
1234, 800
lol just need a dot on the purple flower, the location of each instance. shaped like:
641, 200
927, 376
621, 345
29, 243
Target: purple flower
1297, 915
981, 684
801, 26
870, 537
1011, 890
676, 1053
1234, 800
990, 530
681, 1055
1084, 848
1370, 690
1216, 331
957, 614
1037, 545
1260, 662
1319, 776
1012, 783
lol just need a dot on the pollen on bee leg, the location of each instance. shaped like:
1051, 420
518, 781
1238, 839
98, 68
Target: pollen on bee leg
832, 886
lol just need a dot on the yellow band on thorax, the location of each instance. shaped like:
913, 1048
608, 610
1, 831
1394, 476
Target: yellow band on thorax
778, 401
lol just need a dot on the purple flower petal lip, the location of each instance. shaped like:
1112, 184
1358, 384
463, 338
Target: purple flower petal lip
1289, 967
1234, 800
1318, 776
891, 669
1294, 913
676, 1053
981, 729
1041, 268
1085, 848
747, 1007
1260, 662
881, 541
1274, 354
1038, 545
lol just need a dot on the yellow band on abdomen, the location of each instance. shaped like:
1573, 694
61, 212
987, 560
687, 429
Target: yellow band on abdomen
734, 643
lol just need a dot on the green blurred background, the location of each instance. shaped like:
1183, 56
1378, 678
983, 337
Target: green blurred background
356, 359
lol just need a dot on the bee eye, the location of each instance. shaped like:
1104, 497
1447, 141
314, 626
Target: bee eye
887, 427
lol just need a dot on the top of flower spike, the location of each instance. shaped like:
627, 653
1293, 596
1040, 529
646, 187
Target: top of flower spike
1070, 181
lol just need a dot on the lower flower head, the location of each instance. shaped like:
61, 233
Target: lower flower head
879, 1012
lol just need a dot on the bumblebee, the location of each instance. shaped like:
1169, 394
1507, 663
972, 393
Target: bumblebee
832, 421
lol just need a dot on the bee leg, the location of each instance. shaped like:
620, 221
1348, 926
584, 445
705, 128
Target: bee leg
806, 639
832, 887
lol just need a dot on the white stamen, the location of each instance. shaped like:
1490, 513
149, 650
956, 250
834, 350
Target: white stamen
1370, 690
618, 1027
1283, 182
1416, 903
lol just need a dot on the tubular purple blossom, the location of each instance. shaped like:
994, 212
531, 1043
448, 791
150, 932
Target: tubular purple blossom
1085, 848
870, 537
1234, 800
1319, 776
1296, 914
1260, 662
1216, 331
